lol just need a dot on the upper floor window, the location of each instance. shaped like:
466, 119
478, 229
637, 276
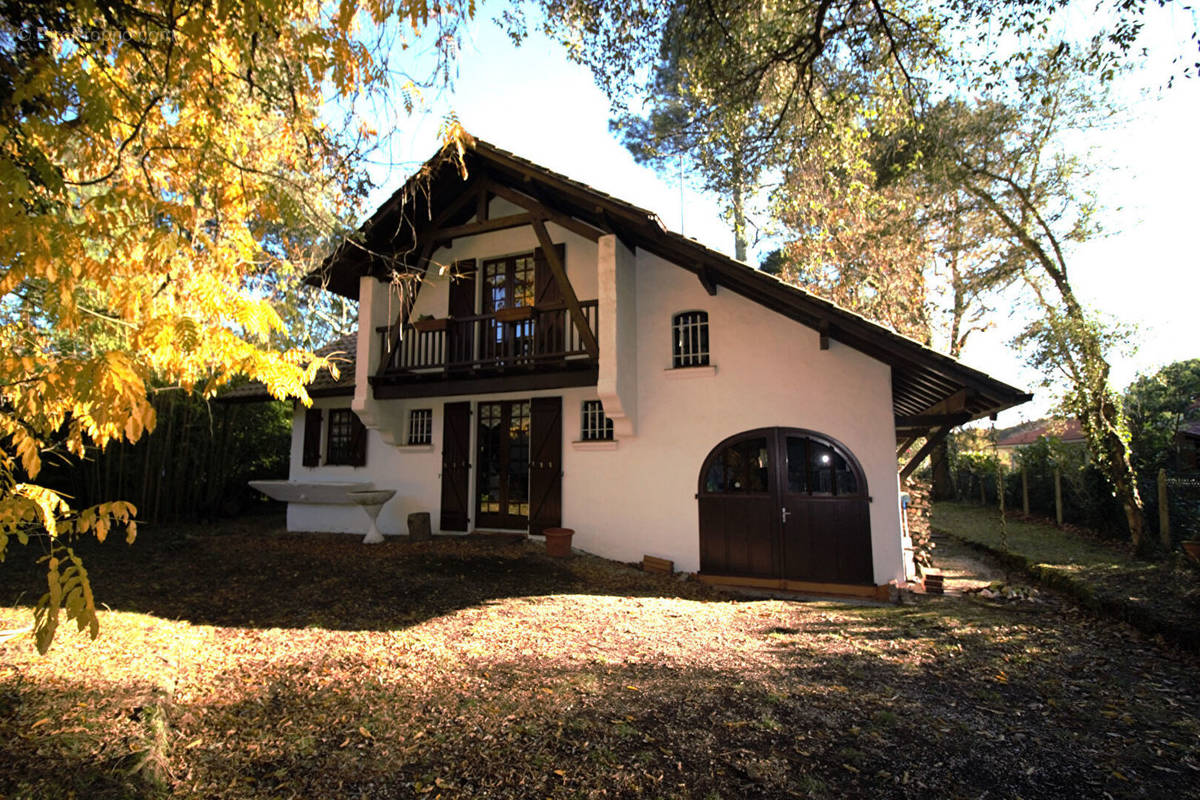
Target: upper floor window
346, 439
420, 426
595, 426
689, 339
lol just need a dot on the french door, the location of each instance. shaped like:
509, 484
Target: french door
502, 478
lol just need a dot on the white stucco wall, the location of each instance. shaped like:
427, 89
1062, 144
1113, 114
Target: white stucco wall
770, 371
638, 497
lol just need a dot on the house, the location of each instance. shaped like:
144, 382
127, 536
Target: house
564, 360
1187, 445
1067, 431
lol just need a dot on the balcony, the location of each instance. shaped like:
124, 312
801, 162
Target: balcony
514, 349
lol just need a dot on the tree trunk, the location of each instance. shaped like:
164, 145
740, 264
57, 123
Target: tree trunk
739, 217
943, 483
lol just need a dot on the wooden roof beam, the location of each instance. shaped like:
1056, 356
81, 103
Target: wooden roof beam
558, 270
932, 420
933, 440
485, 226
538, 210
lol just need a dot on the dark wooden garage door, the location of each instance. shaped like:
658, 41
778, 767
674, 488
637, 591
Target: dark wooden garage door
784, 503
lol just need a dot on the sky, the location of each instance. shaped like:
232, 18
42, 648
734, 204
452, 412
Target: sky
1145, 270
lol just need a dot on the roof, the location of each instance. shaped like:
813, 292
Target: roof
1190, 430
345, 349
923, 380
1065, 430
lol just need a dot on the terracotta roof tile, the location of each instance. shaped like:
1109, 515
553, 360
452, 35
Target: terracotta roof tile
345, 350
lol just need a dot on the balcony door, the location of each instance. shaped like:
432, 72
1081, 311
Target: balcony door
508, 287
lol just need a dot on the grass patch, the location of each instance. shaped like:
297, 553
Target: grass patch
1160, 598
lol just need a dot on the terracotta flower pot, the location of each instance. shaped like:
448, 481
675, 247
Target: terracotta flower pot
428, 325
1192, 548
513, 314
558, 542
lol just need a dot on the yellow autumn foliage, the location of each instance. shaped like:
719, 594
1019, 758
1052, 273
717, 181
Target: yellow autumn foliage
147, 151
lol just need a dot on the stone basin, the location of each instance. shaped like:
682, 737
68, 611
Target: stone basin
317, 492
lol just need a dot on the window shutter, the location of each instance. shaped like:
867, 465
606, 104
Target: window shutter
545, 464
546, 290
312, 438
462, 289
358, 442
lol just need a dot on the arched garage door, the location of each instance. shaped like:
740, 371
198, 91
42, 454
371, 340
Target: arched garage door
784, 503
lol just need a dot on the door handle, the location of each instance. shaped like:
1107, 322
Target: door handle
785, 514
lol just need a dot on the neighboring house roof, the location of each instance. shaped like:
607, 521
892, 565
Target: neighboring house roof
342, 350
1190, 429
925, 383
1068, 431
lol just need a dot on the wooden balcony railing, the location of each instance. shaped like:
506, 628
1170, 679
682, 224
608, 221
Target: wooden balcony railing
512, 340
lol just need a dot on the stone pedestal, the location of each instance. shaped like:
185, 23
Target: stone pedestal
372, 503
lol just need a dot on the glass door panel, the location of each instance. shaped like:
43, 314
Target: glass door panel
518, 460
502, 480
491, 463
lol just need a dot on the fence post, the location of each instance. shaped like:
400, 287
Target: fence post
1025, 491
1003, 516
1164, 512
1058, 510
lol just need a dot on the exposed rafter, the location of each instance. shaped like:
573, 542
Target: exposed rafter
484, 226
932, 420
933, 440
904, 445
539, 210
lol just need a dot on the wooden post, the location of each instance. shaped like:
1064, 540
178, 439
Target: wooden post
1003, 516
982, 491
1058, 511
1025, 491
1164, 512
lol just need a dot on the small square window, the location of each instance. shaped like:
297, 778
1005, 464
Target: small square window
420, 426
595, 426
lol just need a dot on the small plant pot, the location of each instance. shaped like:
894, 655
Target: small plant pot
558, 542
429, 325
514, 314
1192, 548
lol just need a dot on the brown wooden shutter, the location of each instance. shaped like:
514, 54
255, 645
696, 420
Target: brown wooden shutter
462, 289
547, 292
312, 437
545, 464
456, 465
358, 441
552, 318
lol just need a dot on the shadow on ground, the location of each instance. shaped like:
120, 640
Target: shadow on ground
253, 573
